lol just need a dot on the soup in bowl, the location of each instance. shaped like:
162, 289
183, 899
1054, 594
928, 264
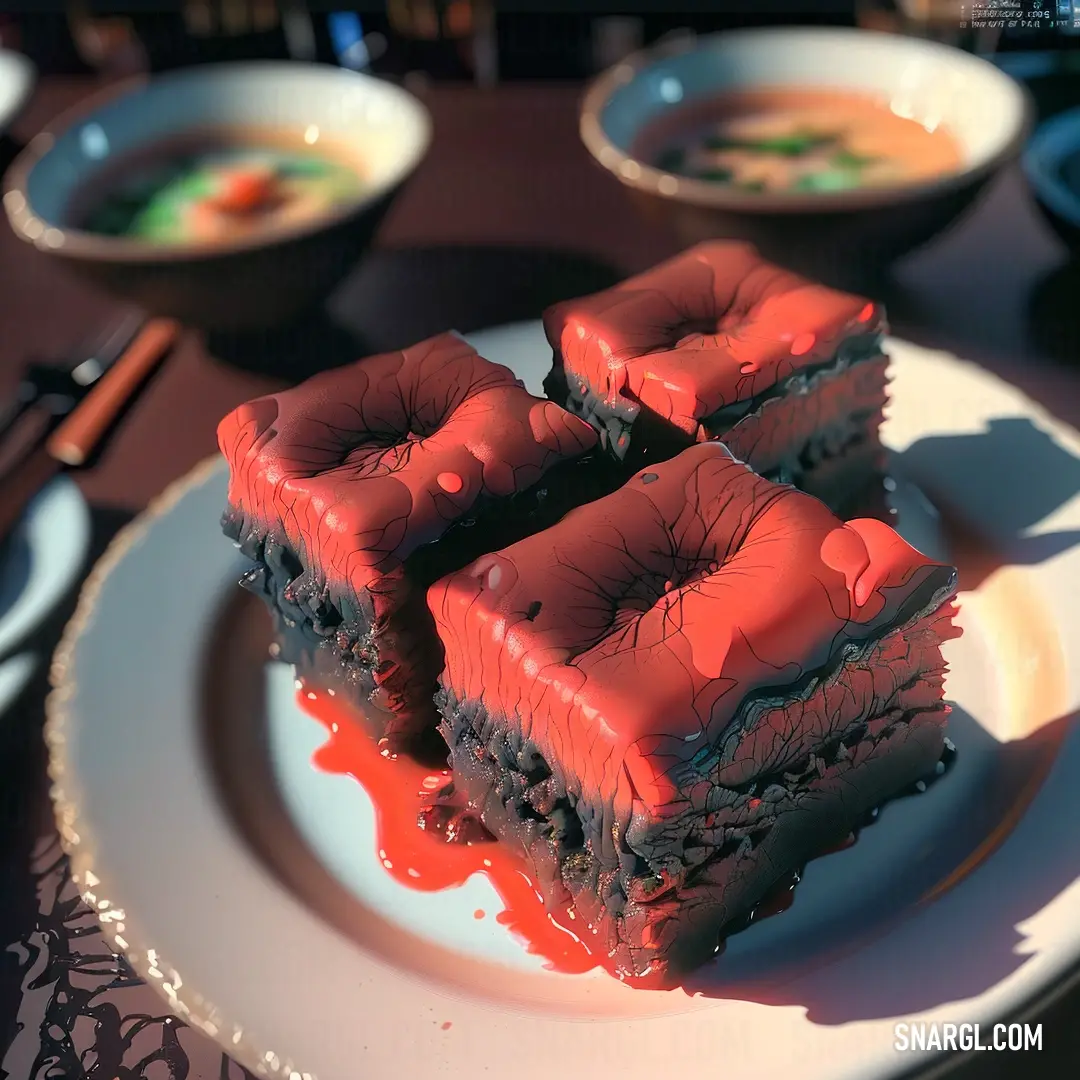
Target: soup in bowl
229, 196
799, 140
834, 150
220, 186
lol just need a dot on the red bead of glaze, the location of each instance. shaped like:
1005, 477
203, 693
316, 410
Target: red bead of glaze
642, 342
889, 562
450, 482
843, 550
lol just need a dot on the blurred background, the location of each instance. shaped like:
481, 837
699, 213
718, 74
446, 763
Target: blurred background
489, 40
503, 80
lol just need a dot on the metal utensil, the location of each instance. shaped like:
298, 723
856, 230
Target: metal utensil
73, 439
56, 387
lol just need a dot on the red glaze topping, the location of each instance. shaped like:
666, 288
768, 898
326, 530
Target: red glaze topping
660, 608
712, 327
363, 464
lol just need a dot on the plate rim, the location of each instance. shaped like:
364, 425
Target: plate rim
76, 834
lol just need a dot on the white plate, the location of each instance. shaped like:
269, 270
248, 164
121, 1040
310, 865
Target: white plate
42, 560
17, 77
957, 906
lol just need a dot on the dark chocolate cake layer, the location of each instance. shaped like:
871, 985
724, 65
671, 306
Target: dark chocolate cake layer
717, 343
340, 487
678, 694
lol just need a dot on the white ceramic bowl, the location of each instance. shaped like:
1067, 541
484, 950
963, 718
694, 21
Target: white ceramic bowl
252, 281
986, 111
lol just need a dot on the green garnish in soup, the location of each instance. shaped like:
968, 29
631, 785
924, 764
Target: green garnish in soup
846, 159
797, 144
795, 140
218, 186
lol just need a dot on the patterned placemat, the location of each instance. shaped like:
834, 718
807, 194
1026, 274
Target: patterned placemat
83, 1012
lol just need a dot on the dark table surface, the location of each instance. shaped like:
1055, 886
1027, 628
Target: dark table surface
506, 215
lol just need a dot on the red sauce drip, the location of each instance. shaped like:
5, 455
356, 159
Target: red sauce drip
401, 790
428, 859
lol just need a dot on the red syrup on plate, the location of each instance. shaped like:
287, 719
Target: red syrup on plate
416, 836
427, 843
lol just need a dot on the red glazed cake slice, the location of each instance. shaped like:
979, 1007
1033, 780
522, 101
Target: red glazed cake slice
340, 487
718, 343
679, 693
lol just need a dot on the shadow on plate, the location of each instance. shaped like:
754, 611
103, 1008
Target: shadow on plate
25, 812
991, 525
845, 983
400, 296
14, 569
